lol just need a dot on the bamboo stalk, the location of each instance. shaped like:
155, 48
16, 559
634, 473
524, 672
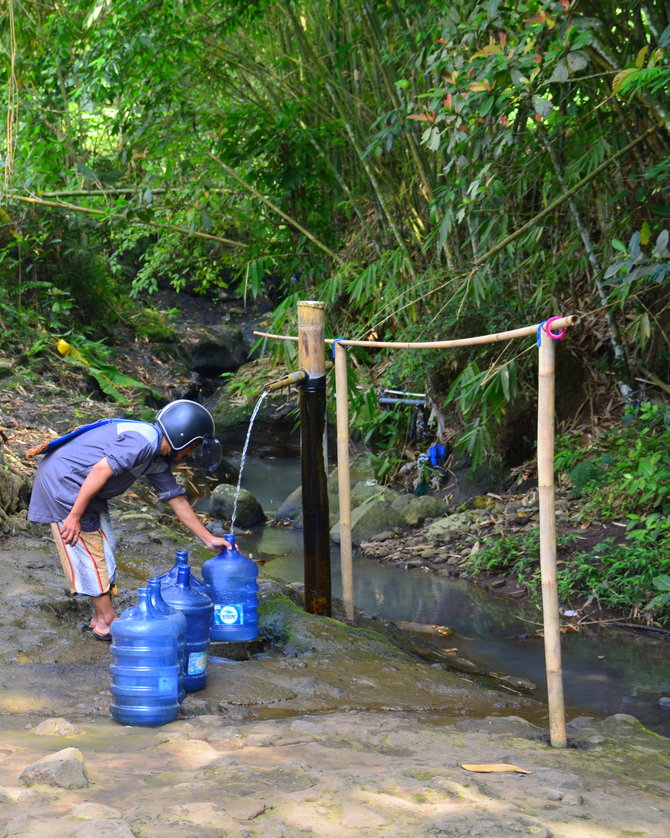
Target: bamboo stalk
564, 197
276, 209
545, 485
90, 211
344, 478
117, 190
618, 347
316, 529
496, 337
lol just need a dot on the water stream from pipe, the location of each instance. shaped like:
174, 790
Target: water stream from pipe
244, 458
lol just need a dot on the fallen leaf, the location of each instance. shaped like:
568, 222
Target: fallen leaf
495, 767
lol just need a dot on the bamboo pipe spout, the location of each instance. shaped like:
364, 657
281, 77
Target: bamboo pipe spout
286, 381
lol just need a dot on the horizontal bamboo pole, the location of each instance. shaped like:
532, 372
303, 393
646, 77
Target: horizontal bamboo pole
496, 337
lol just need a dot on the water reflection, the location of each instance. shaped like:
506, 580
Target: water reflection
604, 671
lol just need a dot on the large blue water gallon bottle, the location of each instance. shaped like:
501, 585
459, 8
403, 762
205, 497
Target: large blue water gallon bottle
197, 608
159, 604
181, 559
232, 583
145, 671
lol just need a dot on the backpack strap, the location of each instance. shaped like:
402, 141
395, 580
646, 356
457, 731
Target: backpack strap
48, 445
157, 444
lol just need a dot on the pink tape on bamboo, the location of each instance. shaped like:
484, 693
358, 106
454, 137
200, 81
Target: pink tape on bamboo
547, 329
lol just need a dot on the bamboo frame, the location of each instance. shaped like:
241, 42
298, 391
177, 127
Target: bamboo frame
343, 478
545, 465
545, 488
316, 525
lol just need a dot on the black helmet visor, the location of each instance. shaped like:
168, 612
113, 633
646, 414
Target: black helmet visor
207, 456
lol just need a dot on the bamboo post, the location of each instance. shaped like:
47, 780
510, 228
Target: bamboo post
316, 524
343, 478
545, 484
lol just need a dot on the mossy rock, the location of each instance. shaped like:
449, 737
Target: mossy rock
283, 624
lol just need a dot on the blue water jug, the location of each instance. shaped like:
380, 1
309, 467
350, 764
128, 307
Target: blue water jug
145, 671
181, 560
232, 583
159, 604
197, 608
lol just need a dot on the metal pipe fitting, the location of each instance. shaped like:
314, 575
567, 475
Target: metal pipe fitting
286, 381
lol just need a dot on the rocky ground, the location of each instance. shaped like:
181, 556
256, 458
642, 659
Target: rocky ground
322, 729
326, 729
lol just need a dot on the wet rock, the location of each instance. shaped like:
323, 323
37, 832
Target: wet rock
64, 769
249, 510
364, 490
417, 510
56, 727
664, 701
102, 829
95, 812
443, 528
292, 506
10, 491
369, 519
12, 794
217, 349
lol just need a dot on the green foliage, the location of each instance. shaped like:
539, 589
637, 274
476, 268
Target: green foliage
111, 381
375, 155
662, 601
516, 554
618, 575
632, 475
154, 325
622, 575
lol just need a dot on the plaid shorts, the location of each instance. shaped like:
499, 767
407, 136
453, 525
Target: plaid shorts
89, 565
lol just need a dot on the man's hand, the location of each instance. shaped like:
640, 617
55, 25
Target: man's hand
216, 544
186, 514
71, 529
95, 480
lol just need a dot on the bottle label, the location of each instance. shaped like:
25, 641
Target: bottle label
168, 685
197, 663
229, 615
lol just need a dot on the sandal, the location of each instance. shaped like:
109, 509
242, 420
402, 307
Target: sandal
106, 638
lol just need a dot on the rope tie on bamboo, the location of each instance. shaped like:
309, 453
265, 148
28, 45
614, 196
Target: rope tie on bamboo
335, 342
546, 326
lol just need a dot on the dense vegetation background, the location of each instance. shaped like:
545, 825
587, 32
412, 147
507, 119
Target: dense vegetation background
430, 170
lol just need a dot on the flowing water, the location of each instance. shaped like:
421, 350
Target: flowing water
605, 671
244, 458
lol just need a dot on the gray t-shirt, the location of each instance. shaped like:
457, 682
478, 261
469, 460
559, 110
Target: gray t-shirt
131, 451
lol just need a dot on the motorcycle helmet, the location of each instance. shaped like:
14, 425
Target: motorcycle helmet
184, 422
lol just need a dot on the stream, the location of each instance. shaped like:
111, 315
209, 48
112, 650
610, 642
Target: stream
605, 671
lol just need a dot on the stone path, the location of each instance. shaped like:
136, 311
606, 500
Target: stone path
331, 775
331, 731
